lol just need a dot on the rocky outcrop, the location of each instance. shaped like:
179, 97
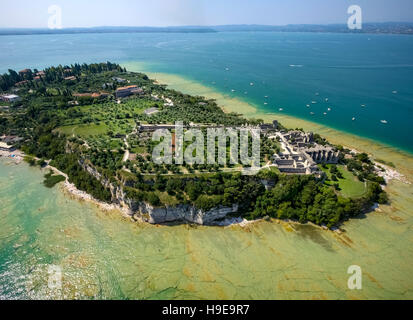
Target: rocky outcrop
183, 213
158, 215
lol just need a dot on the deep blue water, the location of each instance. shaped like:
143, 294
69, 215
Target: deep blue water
289, 68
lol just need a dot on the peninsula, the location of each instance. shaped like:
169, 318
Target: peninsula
95, 125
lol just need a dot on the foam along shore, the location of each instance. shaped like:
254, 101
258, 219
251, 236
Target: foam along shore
402, 160
83, 196
17, 157
70, 189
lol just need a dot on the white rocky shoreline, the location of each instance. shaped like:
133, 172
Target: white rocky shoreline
388, 174
17, 156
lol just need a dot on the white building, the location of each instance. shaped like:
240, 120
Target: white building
10, 98
5, 147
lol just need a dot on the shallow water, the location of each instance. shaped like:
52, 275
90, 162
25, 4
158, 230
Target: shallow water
103, 255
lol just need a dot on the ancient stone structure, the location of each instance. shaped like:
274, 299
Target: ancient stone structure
301, 154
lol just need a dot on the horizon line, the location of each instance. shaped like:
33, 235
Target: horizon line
208, 26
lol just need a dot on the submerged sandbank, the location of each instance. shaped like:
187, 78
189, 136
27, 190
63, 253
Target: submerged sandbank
402, 159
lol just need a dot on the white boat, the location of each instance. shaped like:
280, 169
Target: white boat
363, 105
312, 113
308, 106
232, 90
325, 113
317, 94
383, 121
329, 109
252, 83
281, 109
313, 102
326, 99
394, 92
353, 119
265, 103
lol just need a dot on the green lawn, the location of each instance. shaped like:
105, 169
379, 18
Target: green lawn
85, 130
138, 150
350, 186
167, 199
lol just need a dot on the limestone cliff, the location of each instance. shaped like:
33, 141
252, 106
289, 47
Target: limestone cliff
158, 215
183, 213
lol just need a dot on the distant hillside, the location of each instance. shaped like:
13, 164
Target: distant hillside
383, 27
186, 29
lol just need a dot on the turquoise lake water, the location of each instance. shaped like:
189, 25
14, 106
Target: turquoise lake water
102, 255
105, 256
366, 77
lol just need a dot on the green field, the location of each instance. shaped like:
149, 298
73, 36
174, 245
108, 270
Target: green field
350, 185
85, 130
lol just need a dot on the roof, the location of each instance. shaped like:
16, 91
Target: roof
12, 139
21, 82
25, 71
10, 96
82, 94
127, 88
5, 145
91, 94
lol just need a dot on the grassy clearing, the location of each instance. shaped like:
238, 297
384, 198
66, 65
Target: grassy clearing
350, 185
167, 199
51, 180
85, 130
138, 150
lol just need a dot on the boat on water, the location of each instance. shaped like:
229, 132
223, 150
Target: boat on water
384, 121
363, 105
252, 83
328, 109
281, 109
394, 92
353, 119
308, 106
313, 102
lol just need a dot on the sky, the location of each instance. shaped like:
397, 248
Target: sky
92, 13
